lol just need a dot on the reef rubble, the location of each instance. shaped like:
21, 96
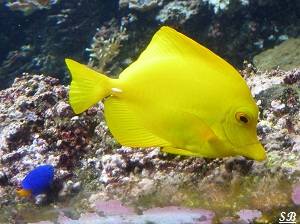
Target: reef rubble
39, 127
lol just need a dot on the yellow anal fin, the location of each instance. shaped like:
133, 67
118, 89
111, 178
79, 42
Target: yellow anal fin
126, 129
178, 151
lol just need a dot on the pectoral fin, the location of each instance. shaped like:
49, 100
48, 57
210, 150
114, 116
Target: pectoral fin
195, 134
198, 130
126, 129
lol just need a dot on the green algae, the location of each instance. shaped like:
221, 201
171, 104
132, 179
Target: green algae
285, 55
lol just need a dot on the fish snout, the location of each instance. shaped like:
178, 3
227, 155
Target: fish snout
253, 151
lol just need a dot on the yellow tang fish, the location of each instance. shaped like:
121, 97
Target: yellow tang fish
178, 95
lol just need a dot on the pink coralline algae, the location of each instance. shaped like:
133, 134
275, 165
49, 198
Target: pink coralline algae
296, 196
249, 215
113, 207
29, 6
115, 212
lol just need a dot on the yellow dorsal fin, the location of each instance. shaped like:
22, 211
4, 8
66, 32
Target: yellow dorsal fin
87, 87
126, 129
168, 43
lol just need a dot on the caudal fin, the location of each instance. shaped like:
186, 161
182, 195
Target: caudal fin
24, 193
87, 87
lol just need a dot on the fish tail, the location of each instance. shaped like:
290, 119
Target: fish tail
24, 193
87, 87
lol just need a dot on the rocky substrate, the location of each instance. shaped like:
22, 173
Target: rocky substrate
38, 126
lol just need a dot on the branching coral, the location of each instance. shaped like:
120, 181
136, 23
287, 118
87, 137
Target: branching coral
29, 6
105, 46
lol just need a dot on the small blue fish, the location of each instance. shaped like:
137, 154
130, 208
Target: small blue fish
37, 181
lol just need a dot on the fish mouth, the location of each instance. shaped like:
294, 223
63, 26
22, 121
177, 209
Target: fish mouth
253, 151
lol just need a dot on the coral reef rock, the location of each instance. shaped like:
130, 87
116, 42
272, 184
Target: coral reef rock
94, 173
140, 5
178, 11
29, 6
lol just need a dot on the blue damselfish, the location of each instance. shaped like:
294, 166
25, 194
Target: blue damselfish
37, 181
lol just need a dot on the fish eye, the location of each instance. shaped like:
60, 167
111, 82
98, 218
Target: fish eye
242, 118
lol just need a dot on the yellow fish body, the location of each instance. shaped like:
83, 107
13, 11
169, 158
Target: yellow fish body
178, 95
